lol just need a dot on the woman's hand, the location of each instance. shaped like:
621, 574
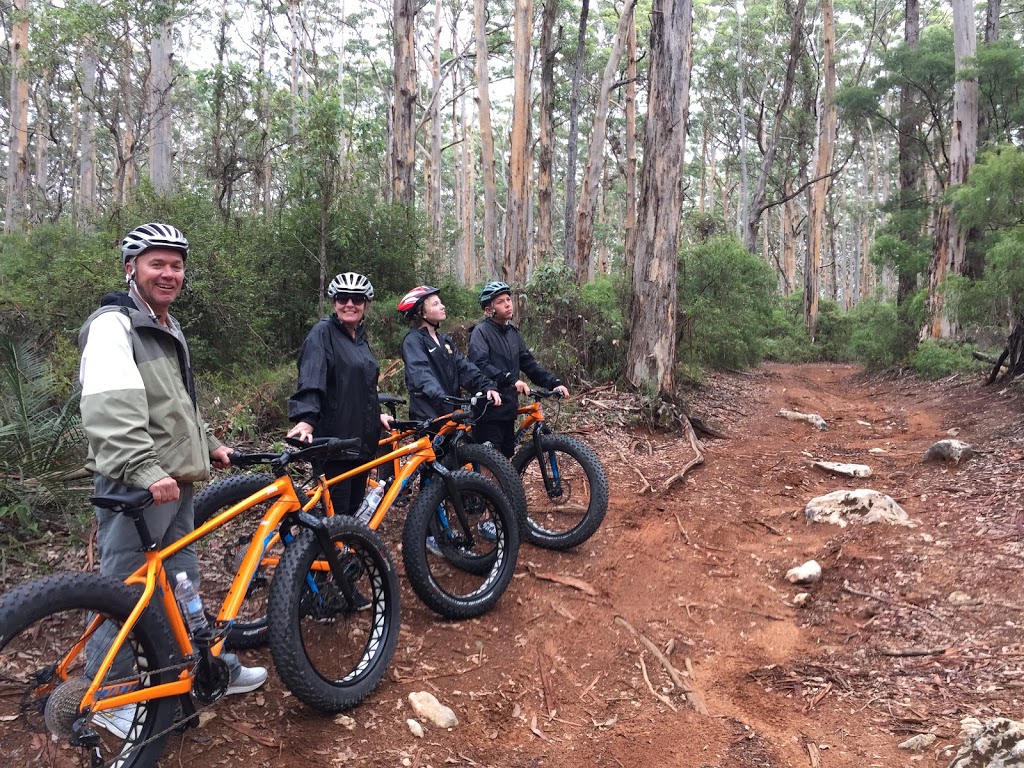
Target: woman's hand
303, 431
494, 397
385, 421
522, 387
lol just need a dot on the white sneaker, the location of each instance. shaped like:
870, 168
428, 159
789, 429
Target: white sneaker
247, 679
118, 720
432, 547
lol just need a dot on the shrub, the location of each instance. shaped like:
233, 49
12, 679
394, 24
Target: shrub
936, 359
726, 296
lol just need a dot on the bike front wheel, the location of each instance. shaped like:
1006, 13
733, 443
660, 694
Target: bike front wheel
45, 670
453, 567
332, 642
488, 461
566, 491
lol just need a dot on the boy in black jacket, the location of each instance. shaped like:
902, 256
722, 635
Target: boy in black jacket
497, 348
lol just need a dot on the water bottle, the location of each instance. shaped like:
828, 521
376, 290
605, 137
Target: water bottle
191, 605
370, 502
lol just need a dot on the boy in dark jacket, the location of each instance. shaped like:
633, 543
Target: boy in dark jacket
497, 348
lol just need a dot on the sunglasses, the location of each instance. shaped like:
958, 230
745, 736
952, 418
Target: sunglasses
343, 298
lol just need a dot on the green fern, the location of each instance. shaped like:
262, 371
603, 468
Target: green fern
41, 443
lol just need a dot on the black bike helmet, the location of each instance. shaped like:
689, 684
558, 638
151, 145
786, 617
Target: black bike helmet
492, 291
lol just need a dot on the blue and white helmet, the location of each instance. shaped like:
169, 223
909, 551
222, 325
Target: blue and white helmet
152, 235
492, 291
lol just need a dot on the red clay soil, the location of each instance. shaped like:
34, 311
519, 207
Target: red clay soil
552, 677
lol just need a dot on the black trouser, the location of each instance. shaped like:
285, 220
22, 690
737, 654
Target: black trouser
347, 495
500, 434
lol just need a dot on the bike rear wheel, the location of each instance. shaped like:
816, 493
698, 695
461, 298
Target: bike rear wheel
221, 553
41, 622
567, 508
450, 583
328, 652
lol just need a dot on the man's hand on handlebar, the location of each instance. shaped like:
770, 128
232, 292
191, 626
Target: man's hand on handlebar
303, 431
560, 389
386, 420
494, 397
522, 387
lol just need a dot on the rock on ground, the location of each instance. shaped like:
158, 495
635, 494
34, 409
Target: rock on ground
999, 743
862, 505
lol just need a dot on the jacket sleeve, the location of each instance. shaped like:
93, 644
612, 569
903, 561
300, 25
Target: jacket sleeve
538, 374
307, 402
470, 377
480, 356
115, 409
418, 371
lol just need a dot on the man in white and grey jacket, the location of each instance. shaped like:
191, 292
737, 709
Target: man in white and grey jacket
143, 425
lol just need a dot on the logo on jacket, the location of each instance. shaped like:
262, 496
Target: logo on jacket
431, 350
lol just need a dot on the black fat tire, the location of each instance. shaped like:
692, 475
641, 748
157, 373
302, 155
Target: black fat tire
568, 451
421, 522
486, 456
357, 644
28, 608
250, 632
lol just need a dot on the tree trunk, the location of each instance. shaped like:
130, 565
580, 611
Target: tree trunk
403, 180
520, 160
433, 186
220, 180
757, 204
630, 129
43, 130
949, 252
545, 145
87, 140
160, 134
790, 228
492, 261
572, 141
595, 162
907, 154
17, 145
822, 169
651, 353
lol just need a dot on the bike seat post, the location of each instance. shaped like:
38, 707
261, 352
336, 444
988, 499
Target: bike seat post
148, 545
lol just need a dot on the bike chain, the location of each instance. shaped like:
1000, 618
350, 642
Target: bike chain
192, 661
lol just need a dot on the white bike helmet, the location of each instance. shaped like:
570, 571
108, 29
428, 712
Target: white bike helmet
350, 282
153, 235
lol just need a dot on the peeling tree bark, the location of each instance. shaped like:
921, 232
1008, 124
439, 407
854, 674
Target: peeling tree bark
546, 138
403, 179
650, 356
520, 158
595, 160
17, 145
492, 262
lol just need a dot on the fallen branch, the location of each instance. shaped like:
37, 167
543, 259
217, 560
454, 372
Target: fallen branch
697, 449
569, 581
890, 601
659, 696
691, 695
647, 485
545, 679
904, 652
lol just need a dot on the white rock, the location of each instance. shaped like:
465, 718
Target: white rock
415, 728
345, 722
846, 470
811, 418
427, 707
800, 599
959, 598
808, 573
953, 451
877, 450
997, 743
919, 742
862, 505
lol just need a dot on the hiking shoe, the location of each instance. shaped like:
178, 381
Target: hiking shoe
488, 530
360, 602
432, 547
117, 720
247, 679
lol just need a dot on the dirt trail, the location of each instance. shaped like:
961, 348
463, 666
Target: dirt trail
551, 678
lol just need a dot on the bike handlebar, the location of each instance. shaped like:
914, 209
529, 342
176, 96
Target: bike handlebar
322, 448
